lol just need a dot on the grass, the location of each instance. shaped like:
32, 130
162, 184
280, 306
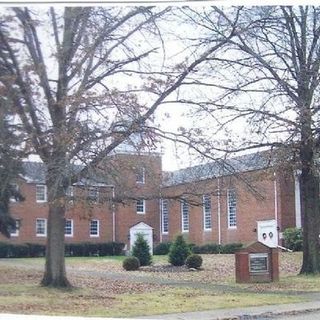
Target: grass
34, 300
96, 295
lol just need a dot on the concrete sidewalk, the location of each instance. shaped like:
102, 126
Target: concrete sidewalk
262, 312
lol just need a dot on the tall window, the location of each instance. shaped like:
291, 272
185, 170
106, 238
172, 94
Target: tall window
14, 231
41, 227
15, 187
185, 216
141, 206
207, 224
41, 193
94, 228
232, 208
68, 228
165, 215
140, 175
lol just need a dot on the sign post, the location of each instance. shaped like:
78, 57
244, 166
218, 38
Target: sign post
257, 263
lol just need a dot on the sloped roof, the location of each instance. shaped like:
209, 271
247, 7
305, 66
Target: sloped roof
219, 168
35, 172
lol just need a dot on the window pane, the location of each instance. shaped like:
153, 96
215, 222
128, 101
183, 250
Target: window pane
41, 193
232, 212
68, 230
140, 205
41, 227
207, 212
185, 215
140, 175
94, 228
165, 215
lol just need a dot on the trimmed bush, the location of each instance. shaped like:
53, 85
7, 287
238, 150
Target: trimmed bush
141, 250
36, 250
4, 248
131, 264
18, 251
194, 261
162, 248
293, 239
231, 247
179, 251
85, 249
208, 248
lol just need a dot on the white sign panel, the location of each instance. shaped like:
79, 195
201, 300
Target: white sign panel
268, 233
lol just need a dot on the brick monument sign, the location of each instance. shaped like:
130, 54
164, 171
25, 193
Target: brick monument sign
257, 263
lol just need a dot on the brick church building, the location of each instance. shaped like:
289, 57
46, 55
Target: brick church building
239, 200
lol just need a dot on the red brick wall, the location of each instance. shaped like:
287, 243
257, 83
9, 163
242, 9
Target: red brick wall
255, 201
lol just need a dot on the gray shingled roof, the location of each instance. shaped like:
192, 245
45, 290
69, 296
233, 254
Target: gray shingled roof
35, 172
219, 168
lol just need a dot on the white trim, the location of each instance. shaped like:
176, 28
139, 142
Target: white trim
45, 193
71, 234
219, 214
98, 229
184, 202
204, 212
45, 227
143, 204
297, 198
228, 209
143, 181
16, 231
162, 219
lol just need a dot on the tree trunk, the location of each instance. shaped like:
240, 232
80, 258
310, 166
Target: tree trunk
55, 271
310, 195
310, 209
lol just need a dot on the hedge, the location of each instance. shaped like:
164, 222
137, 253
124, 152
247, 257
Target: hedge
210, 248
84, 249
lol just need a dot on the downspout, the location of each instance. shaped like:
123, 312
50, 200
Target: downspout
276, 204
297, 198
219, 214
275, 198
113, 216
160, 210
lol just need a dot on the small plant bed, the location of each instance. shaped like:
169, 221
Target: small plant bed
167, 268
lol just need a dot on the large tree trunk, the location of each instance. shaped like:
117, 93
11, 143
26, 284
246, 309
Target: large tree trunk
311, 222
55, 271
310, 195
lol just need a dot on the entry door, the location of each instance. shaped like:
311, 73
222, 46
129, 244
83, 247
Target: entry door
268, 233
147, 235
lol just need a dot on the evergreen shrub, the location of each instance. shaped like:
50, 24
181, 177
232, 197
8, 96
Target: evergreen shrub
162, 248
179, 251
293, 239
141, 250
194, 261
131, 264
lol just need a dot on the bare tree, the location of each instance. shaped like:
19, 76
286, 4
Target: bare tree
71, 77
267, 81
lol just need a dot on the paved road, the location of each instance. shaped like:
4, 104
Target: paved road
301, 316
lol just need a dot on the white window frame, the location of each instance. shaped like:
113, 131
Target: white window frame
45, 227
207, 214
69, 235
165, 216
142, 205
94, 235
16, 186
185, 216
44, 193
141, 173
232, 208
16, 230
